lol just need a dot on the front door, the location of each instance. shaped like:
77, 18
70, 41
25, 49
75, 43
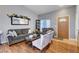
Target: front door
63, 27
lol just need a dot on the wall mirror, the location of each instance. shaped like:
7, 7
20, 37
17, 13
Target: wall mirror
19, 21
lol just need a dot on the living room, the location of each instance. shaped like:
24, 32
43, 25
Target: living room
48, 16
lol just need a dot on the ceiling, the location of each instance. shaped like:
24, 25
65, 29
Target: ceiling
41, 9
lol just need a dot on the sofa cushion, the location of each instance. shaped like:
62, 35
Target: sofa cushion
24, 31
18, 32
19, 37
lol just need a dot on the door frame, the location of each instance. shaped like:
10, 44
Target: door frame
57, 24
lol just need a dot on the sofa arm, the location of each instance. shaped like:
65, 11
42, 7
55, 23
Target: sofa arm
37, 43
10, 39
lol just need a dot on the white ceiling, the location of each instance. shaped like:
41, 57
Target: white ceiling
41, 9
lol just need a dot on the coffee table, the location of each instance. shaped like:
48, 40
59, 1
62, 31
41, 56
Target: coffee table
30, 40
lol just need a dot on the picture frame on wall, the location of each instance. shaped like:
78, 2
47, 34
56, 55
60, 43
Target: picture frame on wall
19, 21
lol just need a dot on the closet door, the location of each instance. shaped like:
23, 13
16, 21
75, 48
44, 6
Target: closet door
63, 27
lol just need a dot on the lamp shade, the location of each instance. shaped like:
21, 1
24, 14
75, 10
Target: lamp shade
0, 32
30, 31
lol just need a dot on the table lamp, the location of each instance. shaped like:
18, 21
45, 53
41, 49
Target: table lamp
0, 32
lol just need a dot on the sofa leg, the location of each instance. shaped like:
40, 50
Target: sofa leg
10, 45
42, 51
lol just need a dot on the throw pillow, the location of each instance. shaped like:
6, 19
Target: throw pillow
10, 34
14, 33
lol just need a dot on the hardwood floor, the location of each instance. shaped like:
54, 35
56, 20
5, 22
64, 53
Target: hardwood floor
64, 46
23, 47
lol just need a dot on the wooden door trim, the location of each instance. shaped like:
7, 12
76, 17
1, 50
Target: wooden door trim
57, 24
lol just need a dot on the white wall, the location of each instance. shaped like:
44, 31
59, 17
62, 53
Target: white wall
5, 21
70, 11
77, 21
77, 15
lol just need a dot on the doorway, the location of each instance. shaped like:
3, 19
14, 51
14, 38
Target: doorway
63, 27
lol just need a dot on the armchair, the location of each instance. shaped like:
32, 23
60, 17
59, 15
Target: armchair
43, 41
